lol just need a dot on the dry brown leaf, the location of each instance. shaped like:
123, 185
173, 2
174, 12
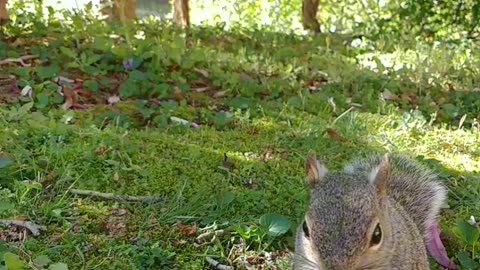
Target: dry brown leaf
332, 133
245, 76
268, 153
227, 164
116, 177
113, 99
410, 97
186, 229
202, 71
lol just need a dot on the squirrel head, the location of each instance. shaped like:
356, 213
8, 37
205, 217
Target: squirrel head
347, 223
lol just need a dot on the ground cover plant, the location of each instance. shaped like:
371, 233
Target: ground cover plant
215, 123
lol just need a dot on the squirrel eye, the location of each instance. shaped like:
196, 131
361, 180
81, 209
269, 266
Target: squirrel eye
305, 229
377, 236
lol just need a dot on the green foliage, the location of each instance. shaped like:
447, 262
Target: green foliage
163, 106
12, 261
275, 225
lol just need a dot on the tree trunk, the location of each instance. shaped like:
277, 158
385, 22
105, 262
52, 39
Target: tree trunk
3, 10
181, 16
309, 15
120, 9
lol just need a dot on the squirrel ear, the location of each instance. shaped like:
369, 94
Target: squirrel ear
380, 175
315, 170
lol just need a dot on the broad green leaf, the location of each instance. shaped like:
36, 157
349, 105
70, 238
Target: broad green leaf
127, 89
48, 72
120, 51
91, 85
42, 101
468, 232
5, 206
275, 225
23, 72
225, 199
240, 102
466, 260
13, 262
42, 261
25, 108
58, 266
93, 59
3, 250
68, 52
136, 75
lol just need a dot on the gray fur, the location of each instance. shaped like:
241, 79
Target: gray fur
344, 205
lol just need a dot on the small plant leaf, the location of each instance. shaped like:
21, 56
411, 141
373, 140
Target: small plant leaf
225, 199
68, 52
48, 72
13, 262
42, 261
91, 85
468, 232
42, 101
466, 261
5, 206
58, 266
275, 225
25, 108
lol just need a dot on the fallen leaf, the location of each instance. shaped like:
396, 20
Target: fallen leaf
335, 135
245, 76
227, 164
179, 120
102, 149
201, 71
268, 154
113, 99
115, 225
387, 95
186, 229
27, 91
201, 89
70, 98
62, 79
118, 211
410, 97
219, 94
116, 177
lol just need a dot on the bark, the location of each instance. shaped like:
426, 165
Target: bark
309, 15
120, 9
3, 10
181, 16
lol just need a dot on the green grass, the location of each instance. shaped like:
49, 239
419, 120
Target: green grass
265, 123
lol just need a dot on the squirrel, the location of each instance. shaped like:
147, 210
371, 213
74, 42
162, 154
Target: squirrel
374, 214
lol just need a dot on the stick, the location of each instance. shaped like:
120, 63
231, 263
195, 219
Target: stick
19, 60
32, 227
111, 196
216, 265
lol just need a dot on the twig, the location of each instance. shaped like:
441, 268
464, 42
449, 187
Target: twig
32, 227
204, 236
19, 60
343, 114
217, 265
111, 196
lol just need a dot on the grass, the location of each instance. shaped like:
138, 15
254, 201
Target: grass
261, 99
